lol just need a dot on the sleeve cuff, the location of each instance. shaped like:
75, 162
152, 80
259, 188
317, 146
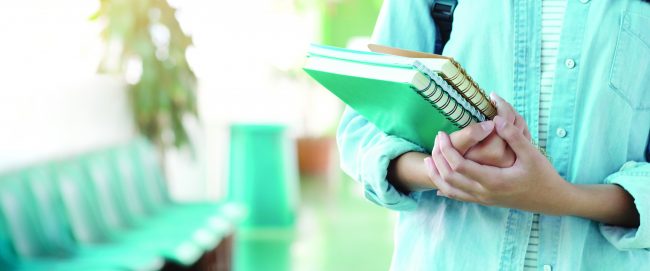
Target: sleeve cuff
634, 177
375, 169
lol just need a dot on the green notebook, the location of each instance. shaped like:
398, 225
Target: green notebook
400, 95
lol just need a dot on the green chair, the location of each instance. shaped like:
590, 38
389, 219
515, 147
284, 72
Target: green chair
156, 199
21, 237
96, 221
129, 179
57, 233
118, 162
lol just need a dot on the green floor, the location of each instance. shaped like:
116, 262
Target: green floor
336, 229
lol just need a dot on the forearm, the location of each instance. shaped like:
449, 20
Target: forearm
607, 203
407, 173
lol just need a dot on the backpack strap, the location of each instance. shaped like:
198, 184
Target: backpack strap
647, 151
442, 13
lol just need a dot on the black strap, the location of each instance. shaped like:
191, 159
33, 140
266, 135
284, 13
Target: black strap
647, 151
442, 13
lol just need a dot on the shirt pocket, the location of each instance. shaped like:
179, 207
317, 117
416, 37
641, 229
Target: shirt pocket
630, 71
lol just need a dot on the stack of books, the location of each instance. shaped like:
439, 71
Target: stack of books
404, 93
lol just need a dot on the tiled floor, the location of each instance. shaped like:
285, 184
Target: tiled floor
337, 229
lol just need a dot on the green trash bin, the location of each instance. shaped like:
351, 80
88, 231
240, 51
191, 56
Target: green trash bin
263, 174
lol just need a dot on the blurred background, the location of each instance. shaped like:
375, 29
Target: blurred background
178, 135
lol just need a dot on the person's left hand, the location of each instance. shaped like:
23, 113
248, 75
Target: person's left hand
530, 184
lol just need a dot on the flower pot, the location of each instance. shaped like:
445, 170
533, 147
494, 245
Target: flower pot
315, 155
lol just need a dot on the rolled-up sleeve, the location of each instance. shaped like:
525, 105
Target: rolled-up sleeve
365, 150
365, 154
634, 177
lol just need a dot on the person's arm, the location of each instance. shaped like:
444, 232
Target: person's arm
634, 178
622, 204
606, 203
407, 174
365, 151
477, 142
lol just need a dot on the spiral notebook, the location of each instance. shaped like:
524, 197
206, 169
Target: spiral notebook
411, 97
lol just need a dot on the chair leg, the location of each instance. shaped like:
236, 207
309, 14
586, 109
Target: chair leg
218, 259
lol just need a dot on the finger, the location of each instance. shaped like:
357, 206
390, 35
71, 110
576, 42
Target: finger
445, 188
454, 159
434, 175
467, 168
515, 139
432, 171
492, 151
504, 109
468, 137
458, 194
521, 123
451, 176
440, 164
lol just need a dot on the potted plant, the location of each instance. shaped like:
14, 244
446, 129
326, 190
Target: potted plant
146, 45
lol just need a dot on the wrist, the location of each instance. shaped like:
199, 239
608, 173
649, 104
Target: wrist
571, 199
606, 203
408, 174
565, 198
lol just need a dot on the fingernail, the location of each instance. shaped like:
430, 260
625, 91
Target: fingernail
493, 96
486, 125
499, 122
439, 193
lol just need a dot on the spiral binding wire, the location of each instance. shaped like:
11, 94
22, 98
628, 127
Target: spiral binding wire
486, 109
448, 89
435, 96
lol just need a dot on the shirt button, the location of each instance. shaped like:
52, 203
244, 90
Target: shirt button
547, 267
570, 63
560, 132
584, 1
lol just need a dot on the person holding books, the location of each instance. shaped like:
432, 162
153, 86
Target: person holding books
575, 79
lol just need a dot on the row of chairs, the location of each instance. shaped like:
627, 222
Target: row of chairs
106, 210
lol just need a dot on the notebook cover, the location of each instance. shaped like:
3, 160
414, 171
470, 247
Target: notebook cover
394, 107
472, 92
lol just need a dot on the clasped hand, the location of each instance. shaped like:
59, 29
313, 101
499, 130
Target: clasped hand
494, 163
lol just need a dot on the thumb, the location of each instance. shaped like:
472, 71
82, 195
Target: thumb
513, 136
466, 138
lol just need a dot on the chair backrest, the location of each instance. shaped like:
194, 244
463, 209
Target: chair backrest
104, 185
149, 170
25, 236
130, 181
88, 223
50, 210
8, 257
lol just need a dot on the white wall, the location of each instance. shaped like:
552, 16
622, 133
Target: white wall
46, 118
52, 102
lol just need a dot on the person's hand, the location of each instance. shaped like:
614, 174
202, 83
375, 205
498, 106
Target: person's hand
531, 183
479, 143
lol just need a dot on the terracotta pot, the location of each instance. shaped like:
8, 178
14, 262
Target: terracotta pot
315, 155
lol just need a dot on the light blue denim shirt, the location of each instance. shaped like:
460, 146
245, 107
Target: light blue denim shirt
599, 129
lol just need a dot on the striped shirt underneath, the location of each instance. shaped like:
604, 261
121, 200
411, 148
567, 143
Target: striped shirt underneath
552, 18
